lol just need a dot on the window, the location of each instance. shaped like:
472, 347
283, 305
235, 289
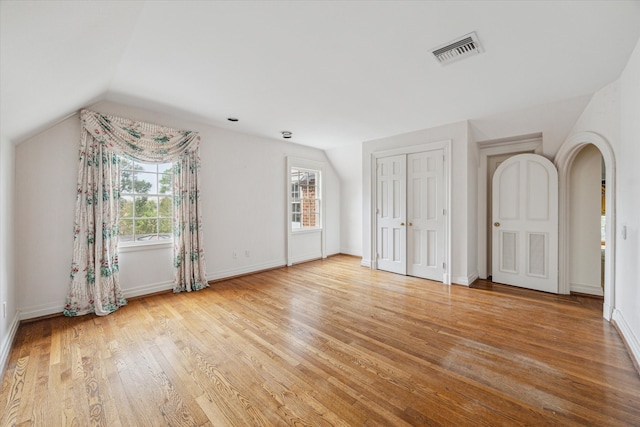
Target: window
146, 201
305, 199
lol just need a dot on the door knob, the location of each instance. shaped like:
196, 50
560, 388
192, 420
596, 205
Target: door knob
497, 224
402, 223
410, 224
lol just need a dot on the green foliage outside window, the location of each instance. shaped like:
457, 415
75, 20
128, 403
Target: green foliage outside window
146, 201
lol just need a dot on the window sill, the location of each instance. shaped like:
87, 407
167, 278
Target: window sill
135, 247
306, 230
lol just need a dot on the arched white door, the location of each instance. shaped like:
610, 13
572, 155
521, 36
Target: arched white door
525, 223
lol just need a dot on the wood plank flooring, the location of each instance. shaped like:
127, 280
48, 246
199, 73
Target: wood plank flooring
326, 343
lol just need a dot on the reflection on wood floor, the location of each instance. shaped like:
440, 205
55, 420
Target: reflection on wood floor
326, 343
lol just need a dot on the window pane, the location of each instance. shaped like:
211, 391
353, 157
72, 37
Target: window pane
126, 230
165, 168
146, 202
145, 183
146, 229
126, 207
166, 229
165, 207
147, 167
146, 207
166, 183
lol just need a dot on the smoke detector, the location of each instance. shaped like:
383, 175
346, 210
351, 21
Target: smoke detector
462, 47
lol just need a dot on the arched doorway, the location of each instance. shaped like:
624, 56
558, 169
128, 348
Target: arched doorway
564, 161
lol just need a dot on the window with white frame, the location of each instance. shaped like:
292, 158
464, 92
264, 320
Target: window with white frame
146, 202
305, 198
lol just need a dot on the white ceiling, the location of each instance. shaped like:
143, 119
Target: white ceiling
332, 72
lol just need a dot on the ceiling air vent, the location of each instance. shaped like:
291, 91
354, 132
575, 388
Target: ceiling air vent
463, 47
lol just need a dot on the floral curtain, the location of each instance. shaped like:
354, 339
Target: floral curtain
94, 286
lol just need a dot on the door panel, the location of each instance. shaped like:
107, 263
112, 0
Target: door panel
391, 214
426, 221
525, 223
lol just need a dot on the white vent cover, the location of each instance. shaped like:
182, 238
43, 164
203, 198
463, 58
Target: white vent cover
460, 48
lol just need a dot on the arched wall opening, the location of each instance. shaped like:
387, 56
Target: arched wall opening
564, 160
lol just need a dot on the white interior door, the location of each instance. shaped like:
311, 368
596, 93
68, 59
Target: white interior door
525, 223
425, 215
391, 214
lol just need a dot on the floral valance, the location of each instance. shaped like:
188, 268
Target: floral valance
144, 141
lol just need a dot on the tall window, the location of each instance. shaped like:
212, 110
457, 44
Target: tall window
305, 199
146, 201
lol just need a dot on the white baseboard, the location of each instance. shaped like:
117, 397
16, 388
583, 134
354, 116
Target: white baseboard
304, 258
627, 334
365, 263
5, 346
147, 289
36, 311
465, 280
223, 274
351, 251
41, 310
586, 289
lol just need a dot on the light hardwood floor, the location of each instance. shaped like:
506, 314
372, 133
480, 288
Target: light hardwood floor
326, 343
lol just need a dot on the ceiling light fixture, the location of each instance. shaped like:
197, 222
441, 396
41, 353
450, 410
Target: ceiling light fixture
286, 134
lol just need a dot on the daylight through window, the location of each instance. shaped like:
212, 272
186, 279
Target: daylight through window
305, 199
146, 201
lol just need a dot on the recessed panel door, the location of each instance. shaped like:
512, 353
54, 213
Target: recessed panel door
391, 214
525, 223
425, 215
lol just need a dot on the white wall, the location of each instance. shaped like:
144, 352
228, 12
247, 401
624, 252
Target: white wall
347, 161
461, 194
584, 224
9, 319
554, 120
628, 210
244, 207
613, 113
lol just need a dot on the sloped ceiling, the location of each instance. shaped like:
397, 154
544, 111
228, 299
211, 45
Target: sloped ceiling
333, 73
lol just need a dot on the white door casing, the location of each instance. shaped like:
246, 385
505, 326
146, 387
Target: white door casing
426, 215
525, 223
391, 214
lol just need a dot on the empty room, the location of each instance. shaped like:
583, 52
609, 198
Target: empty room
319, 213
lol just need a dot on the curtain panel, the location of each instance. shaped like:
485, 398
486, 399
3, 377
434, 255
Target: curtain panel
94, 286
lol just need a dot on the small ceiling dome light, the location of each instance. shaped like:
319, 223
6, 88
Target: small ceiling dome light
233, 119
286, 134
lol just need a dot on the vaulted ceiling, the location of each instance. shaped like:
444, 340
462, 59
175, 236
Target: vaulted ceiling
331, 72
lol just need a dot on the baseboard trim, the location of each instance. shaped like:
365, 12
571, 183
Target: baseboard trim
43, 310
365, 263
349, 251
630, 340
465, 280
586, 289
249, 269
7, 343
146, 290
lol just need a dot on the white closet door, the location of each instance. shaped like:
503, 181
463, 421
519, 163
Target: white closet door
525, 223
425, 215
391, 214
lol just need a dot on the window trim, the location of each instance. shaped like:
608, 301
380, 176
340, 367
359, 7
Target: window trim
312, 165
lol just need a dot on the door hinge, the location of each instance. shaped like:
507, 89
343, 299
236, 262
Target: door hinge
444, 265
444, 212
